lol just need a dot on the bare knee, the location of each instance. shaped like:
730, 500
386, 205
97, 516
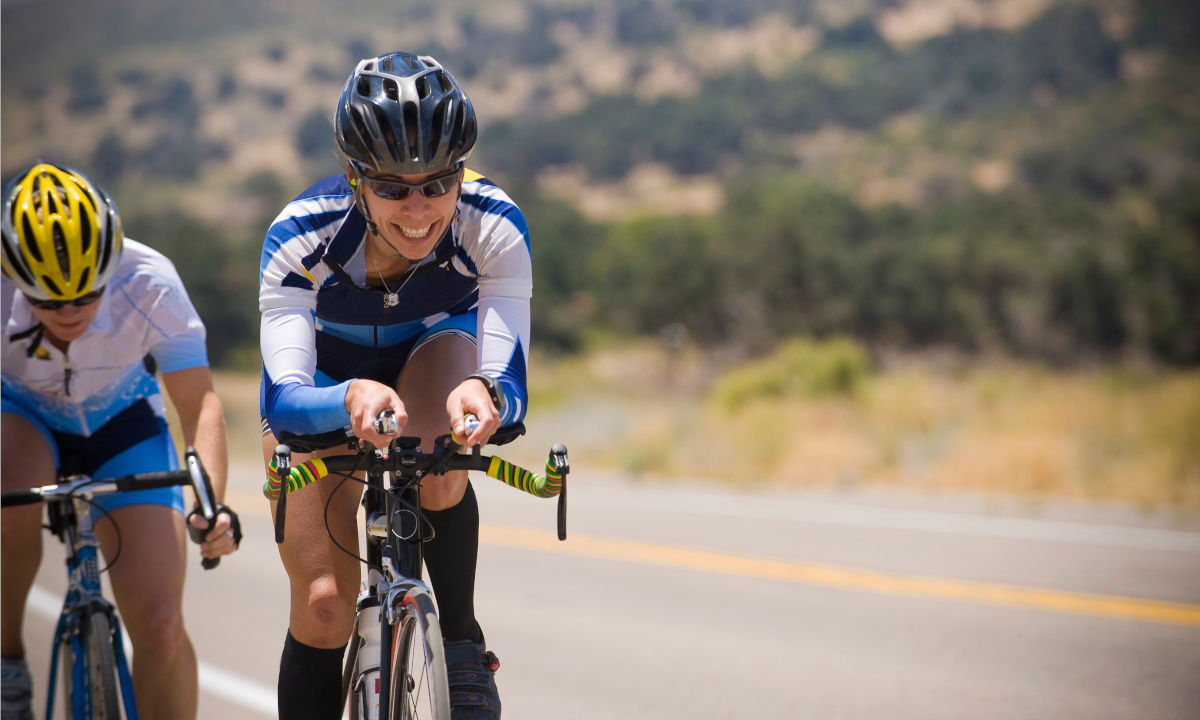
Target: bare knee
156, 630
326, 616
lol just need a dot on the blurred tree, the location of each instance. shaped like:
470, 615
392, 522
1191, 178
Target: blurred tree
563, 244
314, 138
110, 159
1173, 25
226, 86
87, 94
221, 281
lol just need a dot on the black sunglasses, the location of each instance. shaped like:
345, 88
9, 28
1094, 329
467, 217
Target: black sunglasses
436, 186
80, 301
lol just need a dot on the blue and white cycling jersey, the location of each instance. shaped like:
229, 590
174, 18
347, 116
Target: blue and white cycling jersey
312, 296
144, 310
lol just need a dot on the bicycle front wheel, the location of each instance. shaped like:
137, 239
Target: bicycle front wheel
102, 669
90, 675
418, 689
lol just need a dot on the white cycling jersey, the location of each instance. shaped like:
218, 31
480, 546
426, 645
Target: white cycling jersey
144, 310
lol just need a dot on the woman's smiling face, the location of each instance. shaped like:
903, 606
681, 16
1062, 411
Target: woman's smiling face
412, 225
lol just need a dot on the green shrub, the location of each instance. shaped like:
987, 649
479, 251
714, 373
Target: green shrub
798, 368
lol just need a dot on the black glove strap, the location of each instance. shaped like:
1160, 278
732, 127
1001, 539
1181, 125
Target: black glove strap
235, 525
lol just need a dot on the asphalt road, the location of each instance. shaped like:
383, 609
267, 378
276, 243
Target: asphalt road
680, 601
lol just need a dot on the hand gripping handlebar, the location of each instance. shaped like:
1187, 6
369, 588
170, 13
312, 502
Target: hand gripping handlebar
284, 478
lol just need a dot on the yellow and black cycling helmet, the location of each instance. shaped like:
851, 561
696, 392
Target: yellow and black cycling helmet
62, 233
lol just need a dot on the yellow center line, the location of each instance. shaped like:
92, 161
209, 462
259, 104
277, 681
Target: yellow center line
1112, 606
847, 578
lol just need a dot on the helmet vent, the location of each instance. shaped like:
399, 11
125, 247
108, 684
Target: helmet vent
459, 121
364, 86
112, 236
83, 280
53, 204
16, 266
422, 87
30, 247
90, 201
85, 233
435, 134
412, 62
360, 126
52, 286
60, 248
468, 129
385, 129
391, 89
444, 82
412, 120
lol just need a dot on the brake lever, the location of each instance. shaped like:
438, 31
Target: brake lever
558, 455
283, 466
206, 503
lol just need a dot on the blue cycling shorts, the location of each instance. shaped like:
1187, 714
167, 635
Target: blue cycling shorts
339, 360
135, 440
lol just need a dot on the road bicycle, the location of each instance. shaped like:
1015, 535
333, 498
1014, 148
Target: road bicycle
395, 667
87, 638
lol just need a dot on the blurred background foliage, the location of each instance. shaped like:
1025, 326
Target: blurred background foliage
1026, 185
793, 190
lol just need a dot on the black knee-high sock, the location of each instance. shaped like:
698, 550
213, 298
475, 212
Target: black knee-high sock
310, 682
450, 558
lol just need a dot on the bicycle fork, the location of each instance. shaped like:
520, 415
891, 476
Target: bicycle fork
83, 600
368, 672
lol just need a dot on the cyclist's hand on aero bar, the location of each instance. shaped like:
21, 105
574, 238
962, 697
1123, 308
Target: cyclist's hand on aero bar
365, 400
471, 397
224, 536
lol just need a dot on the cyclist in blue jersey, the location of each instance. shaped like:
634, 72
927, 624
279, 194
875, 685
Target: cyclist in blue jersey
401, 284
87, 317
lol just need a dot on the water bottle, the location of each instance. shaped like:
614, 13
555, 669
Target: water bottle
368, 660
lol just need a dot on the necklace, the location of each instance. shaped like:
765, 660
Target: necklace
390, 299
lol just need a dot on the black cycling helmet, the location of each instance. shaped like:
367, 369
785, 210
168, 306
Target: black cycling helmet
404, 114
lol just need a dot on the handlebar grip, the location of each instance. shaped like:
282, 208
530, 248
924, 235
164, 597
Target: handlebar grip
543, 486
24, 496
151, 480
296, 477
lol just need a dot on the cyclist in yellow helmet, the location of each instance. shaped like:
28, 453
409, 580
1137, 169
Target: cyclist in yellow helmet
88, 315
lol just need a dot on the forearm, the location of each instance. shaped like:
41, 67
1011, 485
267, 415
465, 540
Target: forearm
202, 421
208, 438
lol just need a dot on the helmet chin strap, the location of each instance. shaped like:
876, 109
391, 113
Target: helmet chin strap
362, 208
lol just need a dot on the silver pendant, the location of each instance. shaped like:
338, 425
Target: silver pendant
391, 299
